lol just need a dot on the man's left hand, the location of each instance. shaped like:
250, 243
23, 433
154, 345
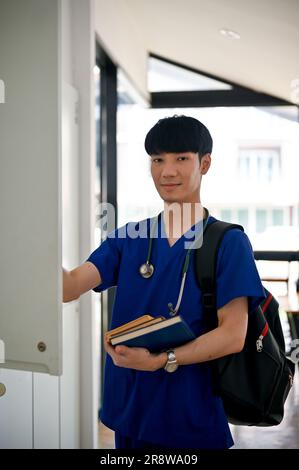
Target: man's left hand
135, 358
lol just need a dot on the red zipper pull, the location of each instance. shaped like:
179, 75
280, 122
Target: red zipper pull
259, 342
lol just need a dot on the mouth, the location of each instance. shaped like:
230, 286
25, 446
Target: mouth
170, 185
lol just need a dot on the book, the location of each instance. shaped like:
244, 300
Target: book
156, 334
111, 335
129, 326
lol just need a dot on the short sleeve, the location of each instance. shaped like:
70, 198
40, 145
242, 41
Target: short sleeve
106, 259
237, 274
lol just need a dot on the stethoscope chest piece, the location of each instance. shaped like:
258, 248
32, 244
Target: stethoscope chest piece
146, 270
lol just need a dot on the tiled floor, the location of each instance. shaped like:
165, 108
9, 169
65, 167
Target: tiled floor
284, 436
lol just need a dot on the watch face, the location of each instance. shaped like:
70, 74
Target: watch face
171, 367
171, 356
171, 364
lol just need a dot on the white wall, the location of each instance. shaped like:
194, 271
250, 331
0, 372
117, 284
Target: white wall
83, 53
69, 384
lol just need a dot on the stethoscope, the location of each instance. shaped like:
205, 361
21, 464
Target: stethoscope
146, 270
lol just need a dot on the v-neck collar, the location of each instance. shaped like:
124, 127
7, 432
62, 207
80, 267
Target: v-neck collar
188, 235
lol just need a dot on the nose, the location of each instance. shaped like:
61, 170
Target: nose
169, 170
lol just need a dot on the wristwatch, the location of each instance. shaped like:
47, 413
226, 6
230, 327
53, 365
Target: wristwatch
171, 364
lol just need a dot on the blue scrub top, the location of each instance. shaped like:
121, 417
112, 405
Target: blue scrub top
175, 410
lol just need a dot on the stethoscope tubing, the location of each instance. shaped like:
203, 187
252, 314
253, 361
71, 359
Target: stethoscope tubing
146, 270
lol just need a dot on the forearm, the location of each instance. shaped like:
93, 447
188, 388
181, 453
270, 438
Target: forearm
212, 345
227, 338
69, 288
216, 343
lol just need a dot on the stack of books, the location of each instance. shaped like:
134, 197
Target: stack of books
156, 334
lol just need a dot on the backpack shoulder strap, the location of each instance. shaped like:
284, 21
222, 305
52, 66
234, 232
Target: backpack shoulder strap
206, 262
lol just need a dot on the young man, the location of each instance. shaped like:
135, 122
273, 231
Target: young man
166, 400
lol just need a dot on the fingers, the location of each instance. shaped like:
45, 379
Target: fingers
123, 356
123, 350
118, 354
108, 347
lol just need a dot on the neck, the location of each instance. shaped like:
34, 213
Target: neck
180, 217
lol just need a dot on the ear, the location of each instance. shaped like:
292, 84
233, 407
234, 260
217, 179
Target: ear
205, 163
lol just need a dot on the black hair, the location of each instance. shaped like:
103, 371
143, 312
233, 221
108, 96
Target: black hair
178, 134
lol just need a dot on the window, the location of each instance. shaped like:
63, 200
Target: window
261, 220
242, 218
277, 217
259, 164
235, 216
226, 215
165, 76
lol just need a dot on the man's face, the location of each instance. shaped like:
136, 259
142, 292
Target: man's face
177, 176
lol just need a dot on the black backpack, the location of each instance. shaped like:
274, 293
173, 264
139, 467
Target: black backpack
255, 382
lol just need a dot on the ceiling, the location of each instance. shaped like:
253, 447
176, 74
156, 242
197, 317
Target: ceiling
265, 58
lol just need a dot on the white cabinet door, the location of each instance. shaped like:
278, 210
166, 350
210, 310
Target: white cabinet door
30, 186
16, 423
46, 391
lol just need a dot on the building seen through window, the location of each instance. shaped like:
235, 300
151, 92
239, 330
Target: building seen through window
261, 164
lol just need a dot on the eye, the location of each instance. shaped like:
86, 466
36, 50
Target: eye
156, 160
182, 158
